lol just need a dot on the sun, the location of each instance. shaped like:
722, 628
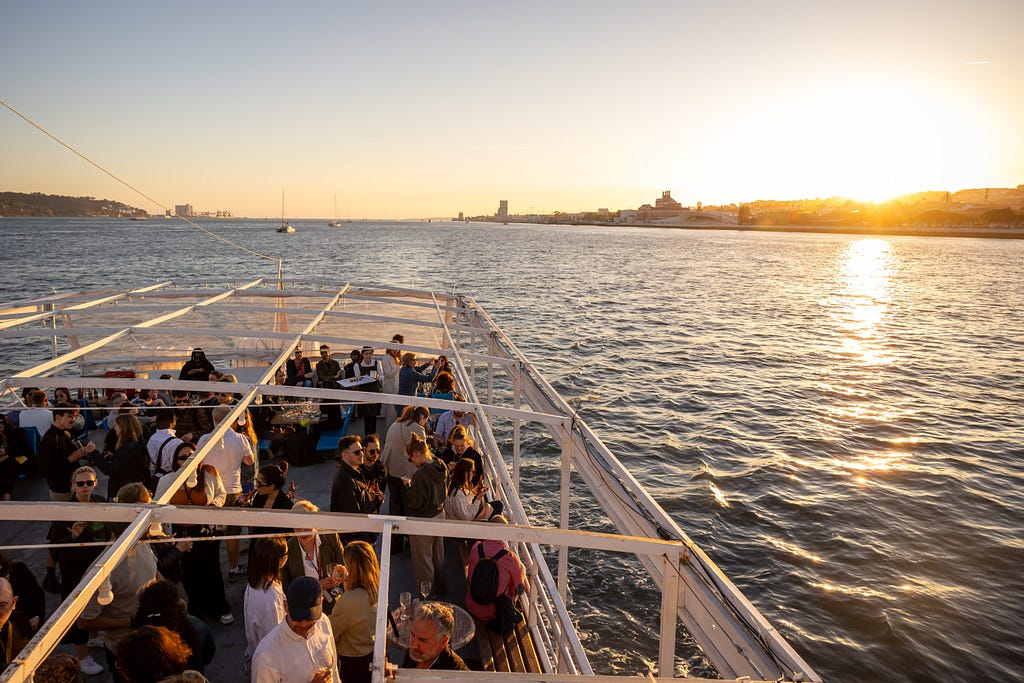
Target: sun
870, 141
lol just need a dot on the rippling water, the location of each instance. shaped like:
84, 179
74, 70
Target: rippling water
837, 420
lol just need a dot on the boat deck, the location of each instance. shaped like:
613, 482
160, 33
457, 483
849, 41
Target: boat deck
250, 327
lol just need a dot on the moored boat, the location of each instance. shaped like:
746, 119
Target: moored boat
249, 328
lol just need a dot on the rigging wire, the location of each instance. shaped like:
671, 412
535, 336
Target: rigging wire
135, 189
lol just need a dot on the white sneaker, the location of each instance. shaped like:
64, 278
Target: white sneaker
90, 667
227, 619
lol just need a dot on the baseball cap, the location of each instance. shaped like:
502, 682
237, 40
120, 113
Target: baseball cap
305, 601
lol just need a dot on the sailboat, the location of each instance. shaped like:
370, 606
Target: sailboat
336, 223
284, 224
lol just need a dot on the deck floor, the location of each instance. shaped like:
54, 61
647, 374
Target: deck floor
312, 483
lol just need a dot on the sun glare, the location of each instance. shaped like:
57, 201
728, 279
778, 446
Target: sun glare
870, 141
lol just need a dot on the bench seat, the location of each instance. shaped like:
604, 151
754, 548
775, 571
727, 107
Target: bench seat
508, 652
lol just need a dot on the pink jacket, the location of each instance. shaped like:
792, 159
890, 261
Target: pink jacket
511, 577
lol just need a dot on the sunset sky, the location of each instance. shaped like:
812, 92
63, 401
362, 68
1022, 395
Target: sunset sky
416, 109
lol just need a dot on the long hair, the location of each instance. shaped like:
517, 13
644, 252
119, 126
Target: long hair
151, 654
363, 570
418, 445
131, 429
462, 475
413, 414
160, 604
265, 561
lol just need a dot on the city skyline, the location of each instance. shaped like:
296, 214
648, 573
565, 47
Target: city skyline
406, 110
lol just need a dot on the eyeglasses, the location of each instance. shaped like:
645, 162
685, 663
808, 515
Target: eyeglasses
83, 484
372, 451
356, 450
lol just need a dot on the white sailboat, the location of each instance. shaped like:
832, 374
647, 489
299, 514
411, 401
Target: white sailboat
336, 223
285, 227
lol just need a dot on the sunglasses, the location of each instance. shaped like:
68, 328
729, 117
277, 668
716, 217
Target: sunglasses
372, 451
83, 484
357, 450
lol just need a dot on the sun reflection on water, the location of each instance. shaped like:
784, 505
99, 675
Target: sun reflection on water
866, 289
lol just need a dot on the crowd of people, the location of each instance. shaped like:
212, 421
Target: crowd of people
310, 595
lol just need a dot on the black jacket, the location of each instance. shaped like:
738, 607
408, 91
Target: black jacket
350, 494
446, 661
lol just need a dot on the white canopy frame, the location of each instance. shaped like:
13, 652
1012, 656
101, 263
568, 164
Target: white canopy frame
736, 638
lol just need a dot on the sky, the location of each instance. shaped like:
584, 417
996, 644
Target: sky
427, 109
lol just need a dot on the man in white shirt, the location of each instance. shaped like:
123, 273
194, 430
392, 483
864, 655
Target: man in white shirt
38, 416
162, 444
228, 455
301, 648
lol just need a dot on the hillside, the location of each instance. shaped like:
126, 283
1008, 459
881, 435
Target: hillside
52, 205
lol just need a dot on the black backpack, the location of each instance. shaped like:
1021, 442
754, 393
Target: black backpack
483, 585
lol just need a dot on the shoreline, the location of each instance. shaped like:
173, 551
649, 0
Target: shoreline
881, 231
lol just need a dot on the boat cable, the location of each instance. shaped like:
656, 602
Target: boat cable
137, 190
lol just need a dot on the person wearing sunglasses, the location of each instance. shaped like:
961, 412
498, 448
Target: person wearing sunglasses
75, 561
375, 474
349, 493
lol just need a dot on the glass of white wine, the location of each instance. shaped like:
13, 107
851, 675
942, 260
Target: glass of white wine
425, 589
405, 599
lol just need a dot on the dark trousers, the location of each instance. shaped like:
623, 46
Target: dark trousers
396, 495
370, 425
355, 669
202, 579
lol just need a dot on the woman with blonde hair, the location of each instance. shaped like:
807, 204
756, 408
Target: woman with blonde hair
355, 613
129, 460
428, 489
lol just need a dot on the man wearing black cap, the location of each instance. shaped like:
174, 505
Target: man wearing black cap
301, 648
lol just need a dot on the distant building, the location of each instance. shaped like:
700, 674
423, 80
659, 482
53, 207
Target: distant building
666, 207
502, 210
184, 210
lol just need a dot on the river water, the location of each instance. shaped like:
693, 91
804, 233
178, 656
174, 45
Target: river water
836, 419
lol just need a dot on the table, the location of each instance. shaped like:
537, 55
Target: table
298, 415
463, 632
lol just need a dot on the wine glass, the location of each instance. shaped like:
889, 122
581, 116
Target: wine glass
405, 599
424, 589
339, 572
322, 662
